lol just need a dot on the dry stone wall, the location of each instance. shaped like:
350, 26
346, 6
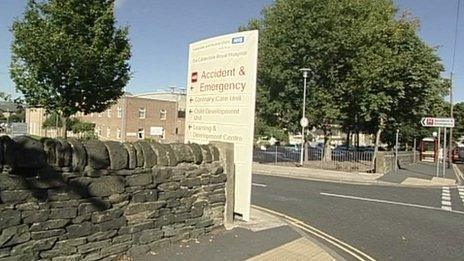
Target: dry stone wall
71, 200
385, 161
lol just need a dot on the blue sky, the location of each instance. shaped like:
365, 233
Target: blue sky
160, 32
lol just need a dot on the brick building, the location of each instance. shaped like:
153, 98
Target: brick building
176, 95
134, 118
131, 118
35, 118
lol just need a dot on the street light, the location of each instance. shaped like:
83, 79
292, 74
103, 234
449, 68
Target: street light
304, 120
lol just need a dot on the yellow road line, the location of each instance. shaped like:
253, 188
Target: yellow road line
359, 255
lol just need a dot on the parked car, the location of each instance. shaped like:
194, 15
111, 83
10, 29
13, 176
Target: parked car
293, 147
458, 155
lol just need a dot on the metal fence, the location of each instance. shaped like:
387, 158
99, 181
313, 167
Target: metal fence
339, 159
13, 129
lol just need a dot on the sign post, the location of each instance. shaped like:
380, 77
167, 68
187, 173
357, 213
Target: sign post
438, 152
221, 98
440, 123
304, 123
444, 152
396, 149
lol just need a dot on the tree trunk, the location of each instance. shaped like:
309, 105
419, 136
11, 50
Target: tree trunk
327, 149
377, 142
58, 129
348, 138
64, 127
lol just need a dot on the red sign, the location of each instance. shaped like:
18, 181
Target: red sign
194, 77
438, 122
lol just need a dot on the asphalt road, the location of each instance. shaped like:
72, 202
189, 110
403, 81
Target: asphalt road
387, 223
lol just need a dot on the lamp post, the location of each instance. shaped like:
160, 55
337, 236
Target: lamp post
304, 120
438, 151
396, 149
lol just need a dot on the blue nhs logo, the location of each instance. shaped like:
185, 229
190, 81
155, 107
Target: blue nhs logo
238, 40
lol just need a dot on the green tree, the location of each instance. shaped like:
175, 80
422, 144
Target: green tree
401, 79
5, 97
458, 114
81, 128
53, 121
69, 57
263, 130
371, 71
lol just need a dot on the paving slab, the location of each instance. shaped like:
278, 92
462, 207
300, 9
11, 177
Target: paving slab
236, 244
299, 249
264, 237
421, 174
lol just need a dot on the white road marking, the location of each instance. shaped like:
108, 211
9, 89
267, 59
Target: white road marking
461, 193
446, 199
388, 202
357, 254
259, 185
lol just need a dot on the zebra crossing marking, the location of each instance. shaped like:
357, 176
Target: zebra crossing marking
446, 198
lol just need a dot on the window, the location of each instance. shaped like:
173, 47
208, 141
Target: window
119, 112
118, 133
181, 114
162, 115
163, 135
109, 113
177, 130
142, 113
108, 132
98, 131
141, 134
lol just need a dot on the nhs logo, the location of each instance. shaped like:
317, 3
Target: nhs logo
238, 40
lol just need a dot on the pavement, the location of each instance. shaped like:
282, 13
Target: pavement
423, 173
420, 174
265, 237
459, 171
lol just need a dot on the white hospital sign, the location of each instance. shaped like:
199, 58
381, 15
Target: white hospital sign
221, 97
438, 122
